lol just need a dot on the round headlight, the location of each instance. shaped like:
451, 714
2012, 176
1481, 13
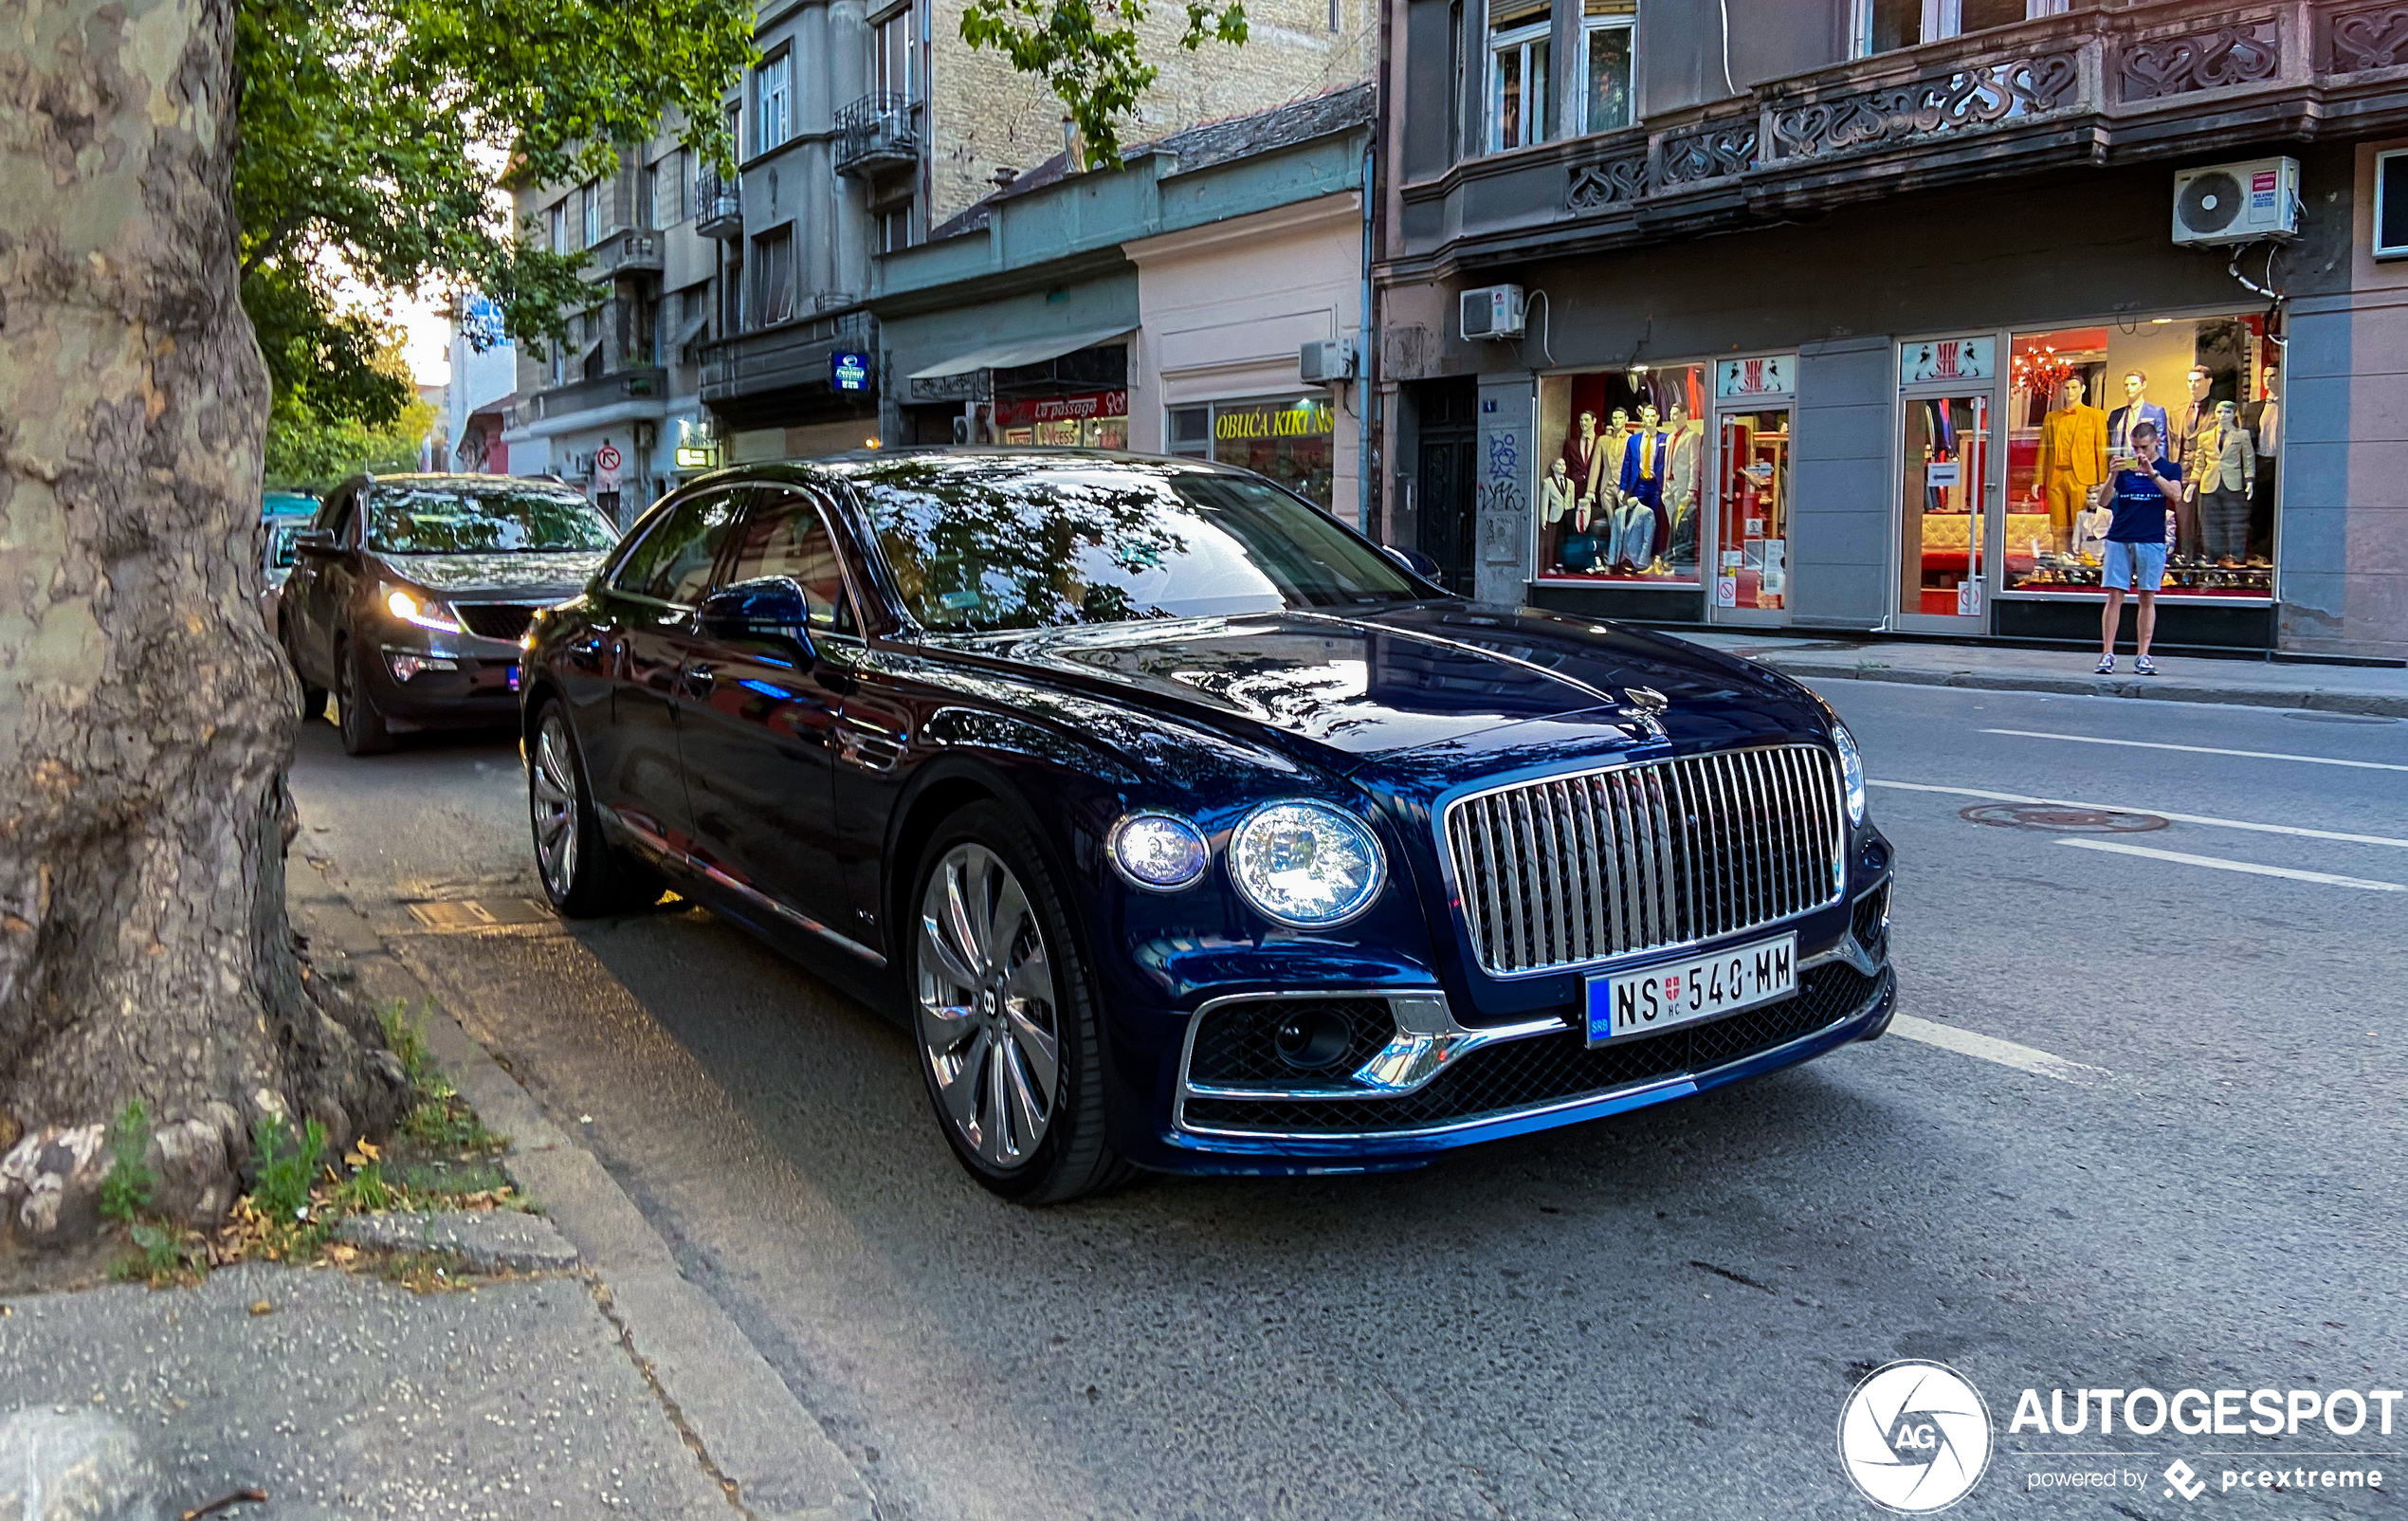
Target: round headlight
1306, 864
1851, 771
1160, 852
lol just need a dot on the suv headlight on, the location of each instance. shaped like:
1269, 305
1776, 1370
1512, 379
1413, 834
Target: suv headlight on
419, 609
1306, 865
1851, 771
1160, 852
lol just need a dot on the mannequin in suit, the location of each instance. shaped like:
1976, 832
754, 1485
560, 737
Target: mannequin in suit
2264, 420
2222, 475
2073, 458
2191, 416
1644, 458
1681, 481
1581, 459
1557, 498
2137, 408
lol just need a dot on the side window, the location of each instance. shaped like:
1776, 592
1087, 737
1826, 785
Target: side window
335, 517
673, 563
788, 536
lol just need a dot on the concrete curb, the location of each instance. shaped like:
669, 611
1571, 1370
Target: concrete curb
493, 1241
2378, 704
746, 1425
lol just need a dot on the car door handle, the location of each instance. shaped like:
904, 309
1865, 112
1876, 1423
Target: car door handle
700, 680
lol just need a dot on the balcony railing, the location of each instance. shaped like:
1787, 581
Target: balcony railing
2148, 81
628, 251
785, 356
719, 206
641, 383
878, 132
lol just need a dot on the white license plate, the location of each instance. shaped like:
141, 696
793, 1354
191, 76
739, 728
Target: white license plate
1626, 1005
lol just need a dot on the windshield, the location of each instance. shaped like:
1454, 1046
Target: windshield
1031, 543
449, 520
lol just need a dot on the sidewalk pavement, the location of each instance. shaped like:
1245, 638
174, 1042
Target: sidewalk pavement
2378, 690
595, 1380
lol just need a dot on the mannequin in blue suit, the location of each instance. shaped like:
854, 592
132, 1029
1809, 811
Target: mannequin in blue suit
2137, 408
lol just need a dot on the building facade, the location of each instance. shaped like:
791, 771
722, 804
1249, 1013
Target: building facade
866, 129
616, 409
1831, 316
483, 390
1205, 299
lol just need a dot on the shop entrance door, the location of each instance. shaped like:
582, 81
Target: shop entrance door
1945, 488
1444, 484
1751, 559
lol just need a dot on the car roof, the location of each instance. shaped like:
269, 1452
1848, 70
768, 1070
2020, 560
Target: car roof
1033, 458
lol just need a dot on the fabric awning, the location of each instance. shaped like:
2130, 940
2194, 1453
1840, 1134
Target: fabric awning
1012, 356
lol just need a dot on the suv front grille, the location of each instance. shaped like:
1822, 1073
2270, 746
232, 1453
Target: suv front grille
1518, 1075
1576, 869
495, 621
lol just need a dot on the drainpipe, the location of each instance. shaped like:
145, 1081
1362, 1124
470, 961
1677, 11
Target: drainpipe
1362, 361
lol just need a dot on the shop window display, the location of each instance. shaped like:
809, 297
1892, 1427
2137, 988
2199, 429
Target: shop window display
1621, 476
2209, 386
1291, 441
1752, 568
1094, 420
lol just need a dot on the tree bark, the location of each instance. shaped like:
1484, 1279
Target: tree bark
146, 719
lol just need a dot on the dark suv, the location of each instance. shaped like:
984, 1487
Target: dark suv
410, 592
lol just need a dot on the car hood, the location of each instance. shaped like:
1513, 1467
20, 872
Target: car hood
524, 577
1453, 681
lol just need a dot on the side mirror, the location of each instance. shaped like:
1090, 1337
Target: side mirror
1413, 560
771, 607
314, 542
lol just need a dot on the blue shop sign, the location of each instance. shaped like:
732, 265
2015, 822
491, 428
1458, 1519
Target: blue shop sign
849, 372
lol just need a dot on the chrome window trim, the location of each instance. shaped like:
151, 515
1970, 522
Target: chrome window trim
1602, 1095
1640, 903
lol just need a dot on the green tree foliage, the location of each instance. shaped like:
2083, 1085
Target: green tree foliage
373, 132
1090, 54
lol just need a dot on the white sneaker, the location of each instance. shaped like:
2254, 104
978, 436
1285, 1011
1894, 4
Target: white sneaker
2106, 665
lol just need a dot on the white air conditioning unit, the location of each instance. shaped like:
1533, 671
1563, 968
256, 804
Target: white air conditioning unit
1492, 311
2237, 202
1328, 359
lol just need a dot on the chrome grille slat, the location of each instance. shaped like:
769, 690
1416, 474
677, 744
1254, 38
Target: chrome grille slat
1578, 869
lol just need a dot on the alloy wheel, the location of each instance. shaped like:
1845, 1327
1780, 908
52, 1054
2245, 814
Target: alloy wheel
552, 802
989, 1021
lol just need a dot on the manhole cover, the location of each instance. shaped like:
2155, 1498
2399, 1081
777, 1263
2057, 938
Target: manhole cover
2057, 818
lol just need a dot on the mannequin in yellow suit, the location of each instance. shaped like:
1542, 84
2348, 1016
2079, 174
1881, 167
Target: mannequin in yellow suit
2072, 459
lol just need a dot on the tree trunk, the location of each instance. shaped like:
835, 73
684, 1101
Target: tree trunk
146, 719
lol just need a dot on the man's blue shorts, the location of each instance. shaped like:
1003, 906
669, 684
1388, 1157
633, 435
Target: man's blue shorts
2133, 567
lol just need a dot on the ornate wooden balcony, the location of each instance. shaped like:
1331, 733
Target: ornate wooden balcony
2143, 81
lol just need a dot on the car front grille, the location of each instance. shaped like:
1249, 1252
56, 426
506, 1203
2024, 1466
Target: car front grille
495, 621
1576, 869
1518, 1075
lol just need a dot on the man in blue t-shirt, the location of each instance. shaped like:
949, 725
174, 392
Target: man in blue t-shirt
2140, 487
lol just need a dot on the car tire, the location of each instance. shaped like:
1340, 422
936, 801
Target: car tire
364, 730
583, 874
988, 1018
313, 699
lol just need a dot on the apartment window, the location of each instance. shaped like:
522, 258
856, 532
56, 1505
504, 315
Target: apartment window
1606, 30
898, 61
589, 212
773, 277
1517, 75
669, 181
771, 89
647, 196
1885, 24
558, 218
894, 231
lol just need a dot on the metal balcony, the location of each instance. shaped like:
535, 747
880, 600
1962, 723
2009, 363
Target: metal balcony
719, 206
877, 132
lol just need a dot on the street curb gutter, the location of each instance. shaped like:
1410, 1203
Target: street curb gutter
755, 1431
2379, 705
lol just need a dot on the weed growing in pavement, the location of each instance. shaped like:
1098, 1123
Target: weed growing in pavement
125, 1193
285, 1165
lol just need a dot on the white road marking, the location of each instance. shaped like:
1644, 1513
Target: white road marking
2202, 749
1990, 1048
2132, 808
2222, 864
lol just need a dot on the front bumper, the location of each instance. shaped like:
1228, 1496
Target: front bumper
479, 691
1533, 1075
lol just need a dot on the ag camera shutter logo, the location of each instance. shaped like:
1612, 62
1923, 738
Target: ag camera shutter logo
1914, 1437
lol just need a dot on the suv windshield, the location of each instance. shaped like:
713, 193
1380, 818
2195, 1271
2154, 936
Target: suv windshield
1028, 542
452, 521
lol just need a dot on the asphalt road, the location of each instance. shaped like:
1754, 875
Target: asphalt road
2175, 1163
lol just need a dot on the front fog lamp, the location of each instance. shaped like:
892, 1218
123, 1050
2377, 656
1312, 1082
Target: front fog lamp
1306, 865
1160, 852
424, 612
1851, 771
